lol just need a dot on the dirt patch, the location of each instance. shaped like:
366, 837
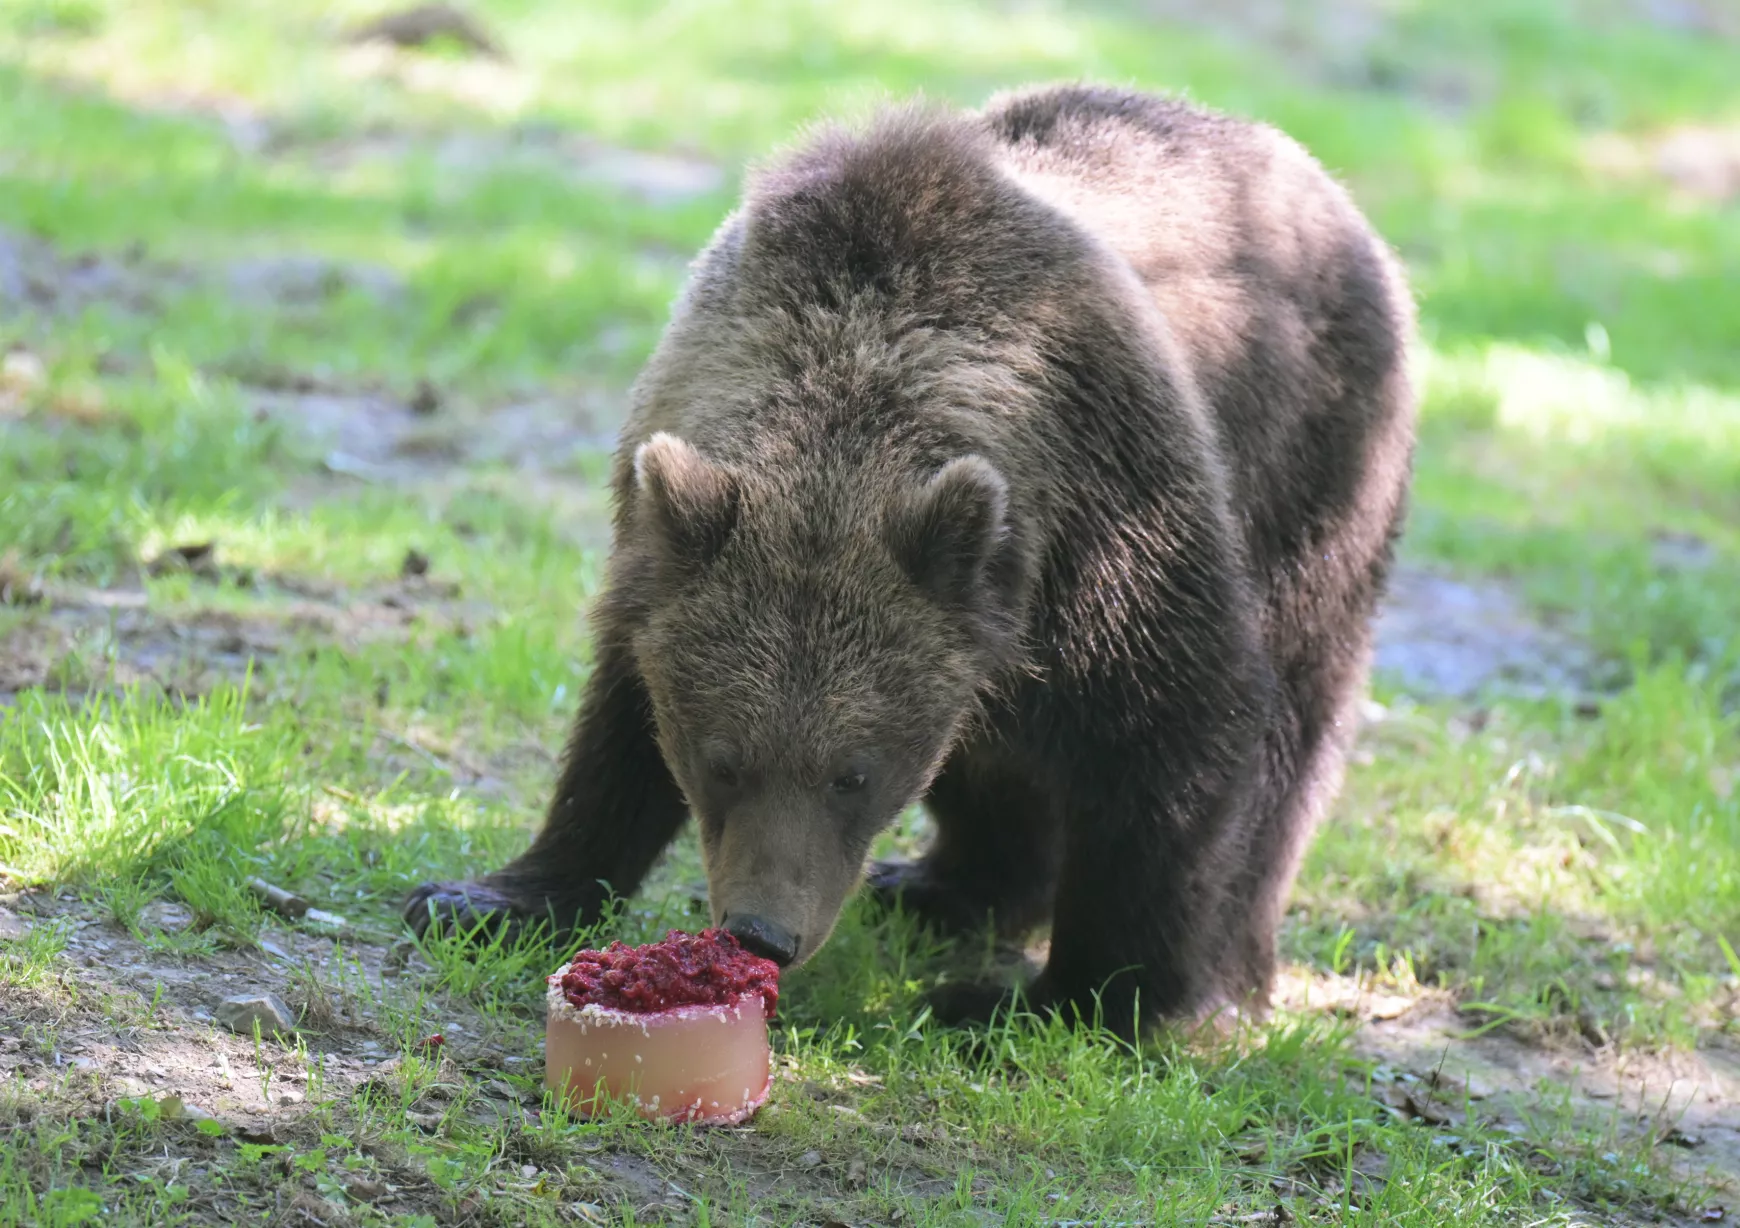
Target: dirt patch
80, 641
423, 24
36, 277
1344, 43
1321, 34
114, 645
1683, 1103
381, 437
518, 146
1707, 17
132, 1021
536, 451
1442, 637
294, 281
651, 176
1698, 163
132, 1017
1436, 1064
1674, 551
368, 434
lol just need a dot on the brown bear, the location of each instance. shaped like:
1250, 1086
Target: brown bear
1042, 464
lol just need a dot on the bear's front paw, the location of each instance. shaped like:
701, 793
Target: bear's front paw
978, 1003
942, 906
973, 1004
465, 908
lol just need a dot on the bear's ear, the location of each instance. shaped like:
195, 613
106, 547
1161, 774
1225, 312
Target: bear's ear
946, 533
689, 502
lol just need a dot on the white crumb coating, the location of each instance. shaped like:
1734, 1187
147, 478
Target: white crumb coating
556, 1002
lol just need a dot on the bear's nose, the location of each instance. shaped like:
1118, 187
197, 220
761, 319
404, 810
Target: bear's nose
762, 937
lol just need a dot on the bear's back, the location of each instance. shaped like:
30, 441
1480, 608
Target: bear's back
1291, 312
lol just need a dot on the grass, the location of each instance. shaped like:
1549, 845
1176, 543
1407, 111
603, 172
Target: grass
209, 206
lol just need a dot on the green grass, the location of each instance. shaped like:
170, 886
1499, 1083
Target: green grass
1558, 867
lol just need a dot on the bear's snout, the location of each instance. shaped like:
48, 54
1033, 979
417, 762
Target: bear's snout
762, 937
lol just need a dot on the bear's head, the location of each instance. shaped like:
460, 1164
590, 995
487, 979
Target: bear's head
813, 638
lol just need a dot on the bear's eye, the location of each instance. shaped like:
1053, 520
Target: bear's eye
723, 773
851, 782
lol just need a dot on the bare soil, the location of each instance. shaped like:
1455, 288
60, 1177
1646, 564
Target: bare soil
1434, 1063
129, 1018
1441, 636
132, 1015
1698, 163
78, 640
657, 178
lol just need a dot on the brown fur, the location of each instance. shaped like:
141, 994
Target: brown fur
1042, 463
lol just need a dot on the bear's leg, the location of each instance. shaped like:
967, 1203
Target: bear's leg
1138, 927
1307, 756
1135, 924
996, 853
616, 807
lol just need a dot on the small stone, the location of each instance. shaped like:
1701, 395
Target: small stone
529, 1171
165, 916
810, 1159
364, 1190
289, 1098
422, 24
18, 586
240, 1013
196, 558
324, 921
425, 401
21, 372
1384, 1006
307, 1207
12, 926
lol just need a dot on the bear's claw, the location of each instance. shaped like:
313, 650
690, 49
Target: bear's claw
912, 886
971, 1004
461, 907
